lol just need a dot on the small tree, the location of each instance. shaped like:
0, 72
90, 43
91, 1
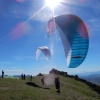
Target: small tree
76, 77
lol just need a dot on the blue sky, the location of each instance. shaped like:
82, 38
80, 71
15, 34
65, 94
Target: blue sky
23, 26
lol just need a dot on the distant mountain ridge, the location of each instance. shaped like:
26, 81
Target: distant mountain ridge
88, 73
16, 76
94, 78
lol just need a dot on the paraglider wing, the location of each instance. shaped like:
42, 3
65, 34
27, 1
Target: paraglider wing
74, 38
37, 53
45, 50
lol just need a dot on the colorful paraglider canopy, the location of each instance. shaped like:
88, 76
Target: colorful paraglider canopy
45, 51
8, 77
74, 37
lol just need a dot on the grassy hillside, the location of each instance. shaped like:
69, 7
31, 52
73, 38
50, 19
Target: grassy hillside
17, 89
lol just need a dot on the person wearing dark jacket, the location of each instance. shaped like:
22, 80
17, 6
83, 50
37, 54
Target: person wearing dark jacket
2, 73
57, 84
24, 77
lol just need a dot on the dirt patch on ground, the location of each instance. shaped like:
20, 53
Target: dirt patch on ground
4, 88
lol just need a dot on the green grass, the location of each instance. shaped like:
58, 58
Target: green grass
17, 89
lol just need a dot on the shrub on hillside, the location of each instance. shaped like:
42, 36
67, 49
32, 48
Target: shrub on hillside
40, 74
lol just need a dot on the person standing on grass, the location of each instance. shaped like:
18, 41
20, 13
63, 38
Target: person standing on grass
31, 78
2, 73
24, 76
57, 84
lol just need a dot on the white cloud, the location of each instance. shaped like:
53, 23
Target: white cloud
10, 70
97, 7
24, 57
6, 62
29, 57
95, 23
14, 67
4, 46
94, 20
18, 58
